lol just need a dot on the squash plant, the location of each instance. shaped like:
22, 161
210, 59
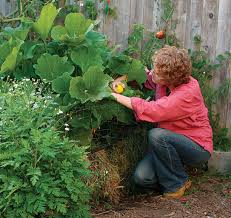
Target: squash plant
74, 61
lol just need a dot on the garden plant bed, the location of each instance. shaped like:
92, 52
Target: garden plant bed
209, 196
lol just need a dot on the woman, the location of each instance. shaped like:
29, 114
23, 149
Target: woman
183, 136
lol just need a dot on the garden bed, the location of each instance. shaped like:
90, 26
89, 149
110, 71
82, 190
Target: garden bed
209, 196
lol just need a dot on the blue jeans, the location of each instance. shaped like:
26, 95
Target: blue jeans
163, 164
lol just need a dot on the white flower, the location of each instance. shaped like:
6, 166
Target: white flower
35, 106
67, 129
26, 79
105, 172
15, 85
66, 124
81, 4
60, 112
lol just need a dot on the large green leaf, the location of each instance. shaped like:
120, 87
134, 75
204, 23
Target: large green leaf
120, 64
76, 24
82, 120
45, 21
50, 67
86, 57
76, 27
106, 110
19, 32
61, 84
29, 49
92, 86
123, 64
96, 39
11, 60
5, 50
136, 72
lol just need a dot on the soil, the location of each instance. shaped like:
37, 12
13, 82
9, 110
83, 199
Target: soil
208, 197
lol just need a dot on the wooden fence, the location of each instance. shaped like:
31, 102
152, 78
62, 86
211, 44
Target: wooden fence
211, 19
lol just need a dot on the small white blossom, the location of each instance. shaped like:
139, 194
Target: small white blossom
67, 129
60, 112
66, 124
81, 4
35, 106
105, 172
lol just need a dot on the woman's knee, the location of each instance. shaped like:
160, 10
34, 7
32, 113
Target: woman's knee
139, 178
144, 174
156, 135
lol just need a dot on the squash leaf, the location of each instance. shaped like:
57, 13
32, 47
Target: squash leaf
92, 86
76, 27
82, 120
136, 72
45, 21
11, 59
5, 50
61, 84
19, 32
107, 110
50, 67
86, 58
119, 64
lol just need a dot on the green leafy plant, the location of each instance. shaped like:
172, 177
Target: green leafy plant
42, 173
90, 9
74, 61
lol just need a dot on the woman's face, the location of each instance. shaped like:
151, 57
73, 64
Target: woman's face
156, 77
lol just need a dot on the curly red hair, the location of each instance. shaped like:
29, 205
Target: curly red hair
173, 64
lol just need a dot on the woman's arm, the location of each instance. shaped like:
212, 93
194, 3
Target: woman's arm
124, 100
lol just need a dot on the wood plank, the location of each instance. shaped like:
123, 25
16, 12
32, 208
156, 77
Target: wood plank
3, 7
194, 23
122, 24
156, 15
223, 44
209, 26
139, 11
147, 11
224, 27
132, 14
179, 17
228, 116
186, 42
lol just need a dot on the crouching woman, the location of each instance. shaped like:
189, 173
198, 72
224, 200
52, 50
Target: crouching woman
184, 134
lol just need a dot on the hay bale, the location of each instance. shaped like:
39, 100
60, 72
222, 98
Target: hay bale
105, 182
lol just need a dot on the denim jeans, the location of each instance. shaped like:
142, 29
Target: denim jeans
163, 165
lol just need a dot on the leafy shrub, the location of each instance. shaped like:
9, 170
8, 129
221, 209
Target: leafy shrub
74, 61
42, 173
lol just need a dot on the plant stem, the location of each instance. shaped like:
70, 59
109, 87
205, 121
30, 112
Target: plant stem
10, 20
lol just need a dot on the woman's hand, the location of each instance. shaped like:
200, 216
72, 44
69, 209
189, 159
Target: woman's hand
117, 85
147, 70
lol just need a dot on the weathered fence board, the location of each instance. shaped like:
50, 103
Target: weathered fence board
7, 7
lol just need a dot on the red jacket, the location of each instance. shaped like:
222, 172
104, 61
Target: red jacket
182, 112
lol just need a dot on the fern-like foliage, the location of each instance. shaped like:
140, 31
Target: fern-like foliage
41, 173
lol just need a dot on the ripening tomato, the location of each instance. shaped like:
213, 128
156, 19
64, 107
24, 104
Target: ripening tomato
160, 34
108, 1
